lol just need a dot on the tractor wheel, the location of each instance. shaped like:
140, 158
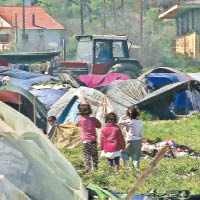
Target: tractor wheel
130, 69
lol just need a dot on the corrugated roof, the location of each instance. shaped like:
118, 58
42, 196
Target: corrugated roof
42, 19
178, 9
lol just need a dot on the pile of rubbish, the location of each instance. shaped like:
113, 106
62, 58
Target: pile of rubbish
151, 147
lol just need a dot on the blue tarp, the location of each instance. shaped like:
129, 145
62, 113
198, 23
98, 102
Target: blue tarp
24, 79
184, 101
48, 96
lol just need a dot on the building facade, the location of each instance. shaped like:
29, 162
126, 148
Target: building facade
187, 16
31, 29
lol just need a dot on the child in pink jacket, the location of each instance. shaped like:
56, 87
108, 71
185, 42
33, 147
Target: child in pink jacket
112, 140
88, 136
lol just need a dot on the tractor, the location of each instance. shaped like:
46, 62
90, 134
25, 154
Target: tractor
101, 54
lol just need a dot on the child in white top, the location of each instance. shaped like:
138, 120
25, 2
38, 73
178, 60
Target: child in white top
134, 135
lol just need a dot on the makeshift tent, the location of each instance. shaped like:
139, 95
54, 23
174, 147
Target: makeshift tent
30, 107
24, 79
158, 102
123, 94
96, 81
66, 108
32, 163
10, 97
158, 70
184, 102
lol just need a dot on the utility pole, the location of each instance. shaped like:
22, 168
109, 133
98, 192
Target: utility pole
81, 15
23, 23
104, 14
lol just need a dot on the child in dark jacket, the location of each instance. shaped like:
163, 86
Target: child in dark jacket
112, 140
88, 136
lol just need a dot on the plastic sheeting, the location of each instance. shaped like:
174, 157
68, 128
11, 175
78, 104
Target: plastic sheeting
195, 76
9, 192
158, 101
94, 81
66, 108
24, 79
32, 163
123, 94
48, 96
67, 136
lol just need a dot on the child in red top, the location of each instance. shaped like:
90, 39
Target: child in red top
88, 136
112, 140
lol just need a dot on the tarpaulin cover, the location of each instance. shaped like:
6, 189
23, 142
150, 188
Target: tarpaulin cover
41, 111
24, 79
159, 100
185, 101
48, 96
8, 191
67, 136
94, 81
123, 94
195, 76
32, 163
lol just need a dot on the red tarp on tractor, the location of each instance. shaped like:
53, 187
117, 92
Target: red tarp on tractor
94, 81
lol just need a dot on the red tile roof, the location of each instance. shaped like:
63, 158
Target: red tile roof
42, 19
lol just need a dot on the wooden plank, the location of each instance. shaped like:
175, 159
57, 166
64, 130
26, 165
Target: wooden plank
188, 45
147, 171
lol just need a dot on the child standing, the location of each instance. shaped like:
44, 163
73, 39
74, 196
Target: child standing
88, 136
134, 136
112, 140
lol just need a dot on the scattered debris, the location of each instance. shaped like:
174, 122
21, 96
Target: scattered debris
151, 147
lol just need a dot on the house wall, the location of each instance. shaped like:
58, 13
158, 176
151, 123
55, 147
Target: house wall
41, 40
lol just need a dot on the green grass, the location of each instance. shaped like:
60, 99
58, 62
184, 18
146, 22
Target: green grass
170, 174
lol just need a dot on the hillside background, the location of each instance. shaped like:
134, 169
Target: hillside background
153, 45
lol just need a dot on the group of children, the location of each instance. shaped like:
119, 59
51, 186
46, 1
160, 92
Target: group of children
112, 142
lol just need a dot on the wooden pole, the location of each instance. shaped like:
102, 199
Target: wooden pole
147, 171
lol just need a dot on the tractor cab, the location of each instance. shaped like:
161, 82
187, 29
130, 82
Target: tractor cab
101, 51
101, 54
